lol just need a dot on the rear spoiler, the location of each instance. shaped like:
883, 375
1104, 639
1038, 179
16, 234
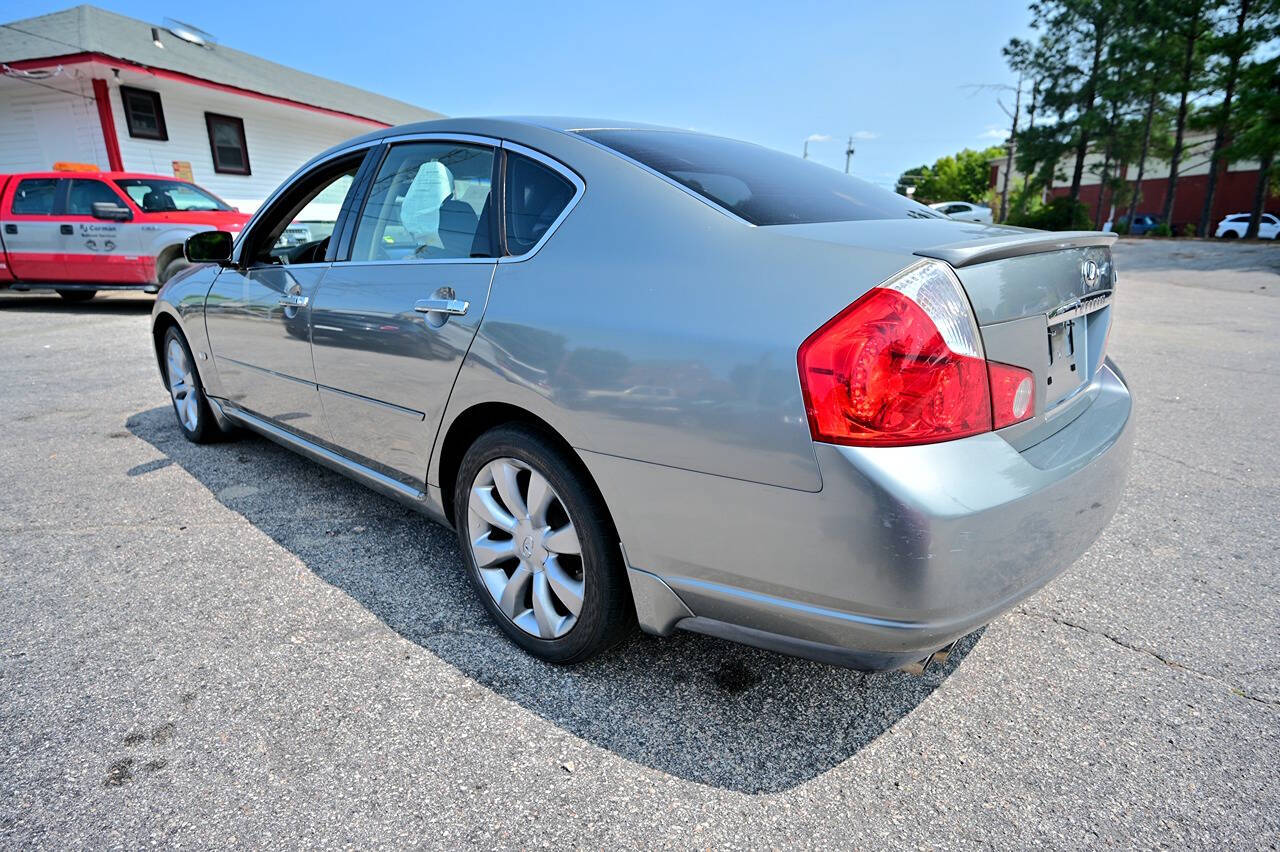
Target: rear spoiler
971, 252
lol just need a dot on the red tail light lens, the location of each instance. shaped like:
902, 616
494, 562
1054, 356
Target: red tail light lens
1013, 394
902, 365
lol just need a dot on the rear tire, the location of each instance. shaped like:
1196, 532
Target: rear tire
538, 543
190, 405
76, 296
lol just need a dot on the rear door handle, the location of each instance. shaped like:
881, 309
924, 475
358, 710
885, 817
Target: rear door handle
293, 300
453, 307
66, 229
11, 228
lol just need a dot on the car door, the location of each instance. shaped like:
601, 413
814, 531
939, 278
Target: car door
258, 311
99, 249
32, 234
398, 310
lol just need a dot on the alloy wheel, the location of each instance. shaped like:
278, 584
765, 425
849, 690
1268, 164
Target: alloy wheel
526, 548
182, 385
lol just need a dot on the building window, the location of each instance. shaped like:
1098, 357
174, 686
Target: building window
226, 141
142, 114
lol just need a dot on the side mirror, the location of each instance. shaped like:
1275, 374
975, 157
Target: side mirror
208, 247
111, 212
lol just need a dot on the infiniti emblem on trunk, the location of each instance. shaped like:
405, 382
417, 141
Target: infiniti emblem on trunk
1089, 272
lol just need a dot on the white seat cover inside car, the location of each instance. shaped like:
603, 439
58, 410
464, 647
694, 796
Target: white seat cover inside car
420, 211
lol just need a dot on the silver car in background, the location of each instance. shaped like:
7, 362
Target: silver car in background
664, 378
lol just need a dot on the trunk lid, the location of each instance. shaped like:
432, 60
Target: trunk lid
1042, 300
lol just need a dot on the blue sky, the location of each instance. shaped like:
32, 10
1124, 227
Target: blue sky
890, 74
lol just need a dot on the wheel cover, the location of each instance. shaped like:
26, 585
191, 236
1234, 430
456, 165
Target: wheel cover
526, 549
182, 385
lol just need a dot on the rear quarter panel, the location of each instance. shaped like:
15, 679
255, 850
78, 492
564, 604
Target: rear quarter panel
652, 327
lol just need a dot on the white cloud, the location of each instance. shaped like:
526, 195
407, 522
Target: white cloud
866, 135
997, 134
818, 137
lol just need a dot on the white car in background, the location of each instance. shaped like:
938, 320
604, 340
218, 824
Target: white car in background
964, 211
1236, 224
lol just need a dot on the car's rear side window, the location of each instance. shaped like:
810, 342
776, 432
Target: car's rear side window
429, 200
34, 197
763, 186
536, 195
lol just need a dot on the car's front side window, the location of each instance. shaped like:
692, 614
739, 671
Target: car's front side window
298, 226
535, 197
429, 201
85, 193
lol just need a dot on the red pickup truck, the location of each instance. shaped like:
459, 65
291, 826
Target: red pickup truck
81, 232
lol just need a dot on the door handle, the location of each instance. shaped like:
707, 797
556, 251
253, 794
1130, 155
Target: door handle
293, 300
453, 307
10, 228
66, 229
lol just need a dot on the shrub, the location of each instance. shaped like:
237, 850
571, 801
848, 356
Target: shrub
1120, 228
1060, 214
1161, 230
1188, 230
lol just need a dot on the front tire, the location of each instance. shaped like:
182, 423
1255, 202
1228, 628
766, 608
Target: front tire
190, 405
539, 547
77, 296
172, 268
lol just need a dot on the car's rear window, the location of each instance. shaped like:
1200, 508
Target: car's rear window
763, 186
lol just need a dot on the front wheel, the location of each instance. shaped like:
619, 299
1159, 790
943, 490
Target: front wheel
539, 547
195, 419
76, 296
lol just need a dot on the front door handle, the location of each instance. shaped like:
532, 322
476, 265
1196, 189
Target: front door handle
293, 300
453, 307
66, 229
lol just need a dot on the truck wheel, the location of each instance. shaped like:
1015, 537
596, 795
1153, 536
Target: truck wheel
173, 267
77, 295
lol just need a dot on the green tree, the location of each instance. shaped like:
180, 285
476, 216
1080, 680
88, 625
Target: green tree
1246, 25
965, 176
1255, 127
1191, 24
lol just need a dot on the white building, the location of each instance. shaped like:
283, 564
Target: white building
90, 86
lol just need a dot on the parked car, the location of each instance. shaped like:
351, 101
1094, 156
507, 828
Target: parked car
644, 385
1235, 226
81, 232
964, 211
1142, 223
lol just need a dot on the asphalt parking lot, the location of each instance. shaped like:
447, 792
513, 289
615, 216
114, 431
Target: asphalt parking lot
230, 646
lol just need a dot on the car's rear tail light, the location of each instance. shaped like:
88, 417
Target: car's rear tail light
1013, 394
902, 365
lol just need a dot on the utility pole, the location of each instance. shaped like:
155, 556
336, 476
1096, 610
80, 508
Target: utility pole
848, 155
806, 149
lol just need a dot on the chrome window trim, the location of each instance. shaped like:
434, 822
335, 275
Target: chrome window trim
660, 176
579, 189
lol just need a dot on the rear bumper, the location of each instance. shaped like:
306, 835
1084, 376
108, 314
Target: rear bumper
904, 549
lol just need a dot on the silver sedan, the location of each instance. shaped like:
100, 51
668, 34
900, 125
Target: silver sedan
661, 378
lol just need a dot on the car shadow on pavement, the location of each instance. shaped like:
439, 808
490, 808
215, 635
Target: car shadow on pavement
692, 706
116, 304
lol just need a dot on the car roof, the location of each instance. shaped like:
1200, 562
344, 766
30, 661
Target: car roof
104, 175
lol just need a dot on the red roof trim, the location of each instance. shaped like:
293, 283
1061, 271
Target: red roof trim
72, 58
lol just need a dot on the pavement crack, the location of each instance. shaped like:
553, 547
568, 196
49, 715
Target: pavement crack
1154, 654
1189, 466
